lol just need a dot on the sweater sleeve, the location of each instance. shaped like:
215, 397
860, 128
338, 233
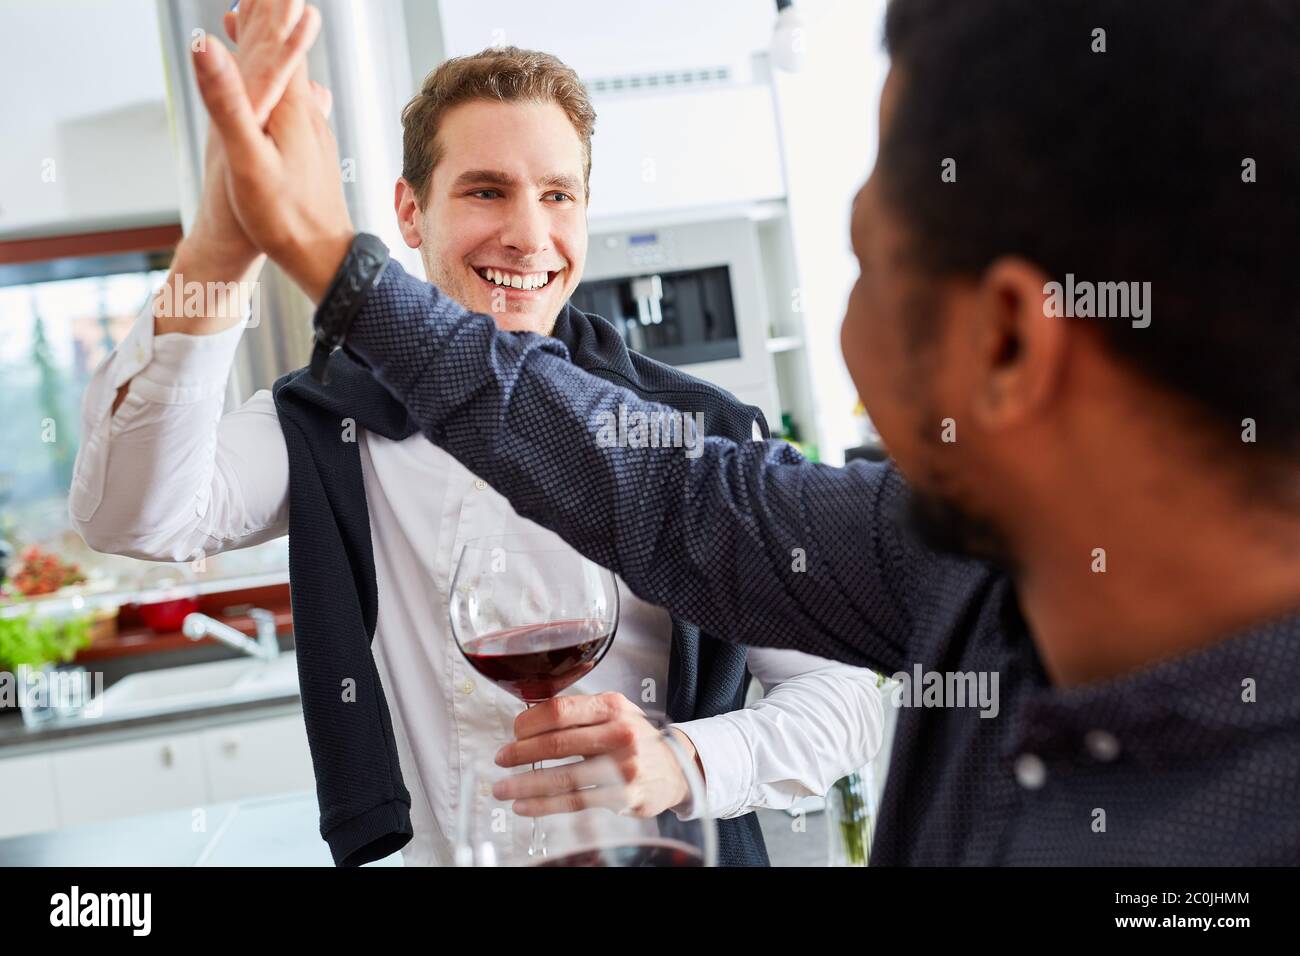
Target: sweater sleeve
746, 539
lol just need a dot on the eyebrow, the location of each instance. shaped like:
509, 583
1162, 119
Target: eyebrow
495, 177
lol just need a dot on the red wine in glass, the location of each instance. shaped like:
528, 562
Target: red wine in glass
537, 661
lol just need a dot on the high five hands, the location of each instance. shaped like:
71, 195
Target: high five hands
273, 185
274, 152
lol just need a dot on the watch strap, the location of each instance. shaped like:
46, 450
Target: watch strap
360, 272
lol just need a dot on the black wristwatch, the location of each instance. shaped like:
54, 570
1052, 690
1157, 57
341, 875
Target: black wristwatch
360, 272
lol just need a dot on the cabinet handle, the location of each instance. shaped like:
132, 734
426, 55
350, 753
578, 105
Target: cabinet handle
168, 758
229, 746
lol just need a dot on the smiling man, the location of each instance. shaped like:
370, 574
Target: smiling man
493, 193
503, 229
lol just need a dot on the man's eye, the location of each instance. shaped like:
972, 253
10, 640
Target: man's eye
485, 193
563, 197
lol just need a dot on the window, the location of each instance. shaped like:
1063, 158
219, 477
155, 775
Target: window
59, 319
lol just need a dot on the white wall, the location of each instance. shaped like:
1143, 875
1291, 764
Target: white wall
83, 103
613, 37
662, 148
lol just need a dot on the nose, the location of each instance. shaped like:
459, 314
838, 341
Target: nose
527, 230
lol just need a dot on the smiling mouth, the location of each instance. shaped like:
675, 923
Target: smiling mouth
515, 282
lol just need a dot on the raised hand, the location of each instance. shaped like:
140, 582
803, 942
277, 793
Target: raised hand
216, 249
283, 180
276, 37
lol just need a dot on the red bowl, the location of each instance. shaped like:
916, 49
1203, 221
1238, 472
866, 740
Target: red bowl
166, 616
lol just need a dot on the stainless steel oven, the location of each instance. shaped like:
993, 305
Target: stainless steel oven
689, 295
679, 318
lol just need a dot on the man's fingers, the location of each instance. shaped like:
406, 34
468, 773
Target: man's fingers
324, 98
280, 69
299, 42
227, 103
569, 711
230, 21
572, 710
553, 781
610, 798
274, 16
570, 742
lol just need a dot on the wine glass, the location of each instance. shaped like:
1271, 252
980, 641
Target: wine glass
532, 615
594, 820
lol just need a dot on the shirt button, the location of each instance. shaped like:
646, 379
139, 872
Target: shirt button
1031, 772
1102, 745
485, 789
467, 687
480, 484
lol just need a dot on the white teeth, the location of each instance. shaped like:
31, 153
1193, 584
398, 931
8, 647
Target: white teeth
533, 280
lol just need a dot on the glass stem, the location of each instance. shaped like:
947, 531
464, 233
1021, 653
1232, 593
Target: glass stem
537, 845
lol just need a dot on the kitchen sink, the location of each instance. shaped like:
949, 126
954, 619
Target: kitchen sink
174, 689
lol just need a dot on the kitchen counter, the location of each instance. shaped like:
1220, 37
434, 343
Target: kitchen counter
17, 739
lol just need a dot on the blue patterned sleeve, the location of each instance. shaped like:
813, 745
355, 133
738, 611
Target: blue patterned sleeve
745, 539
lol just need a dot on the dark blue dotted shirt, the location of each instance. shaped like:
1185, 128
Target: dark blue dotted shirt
1195, 760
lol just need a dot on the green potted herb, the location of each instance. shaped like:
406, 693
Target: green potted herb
33, 638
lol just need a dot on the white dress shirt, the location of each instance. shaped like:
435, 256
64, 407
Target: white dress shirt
169, 478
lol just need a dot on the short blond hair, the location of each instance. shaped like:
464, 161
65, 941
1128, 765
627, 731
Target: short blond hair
506, 74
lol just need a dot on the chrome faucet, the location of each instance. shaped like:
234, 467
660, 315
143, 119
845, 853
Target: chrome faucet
198, 626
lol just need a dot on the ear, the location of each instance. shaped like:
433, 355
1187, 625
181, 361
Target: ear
408, 213
1019, 351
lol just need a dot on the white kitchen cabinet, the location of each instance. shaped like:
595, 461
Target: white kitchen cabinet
656, 153
27, 795
111, 780
257, 759
192, 766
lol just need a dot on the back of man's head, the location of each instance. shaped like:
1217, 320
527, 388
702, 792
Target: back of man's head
1125, 140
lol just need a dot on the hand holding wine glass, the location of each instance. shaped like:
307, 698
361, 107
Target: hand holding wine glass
602, 818
583, 725
532, 615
